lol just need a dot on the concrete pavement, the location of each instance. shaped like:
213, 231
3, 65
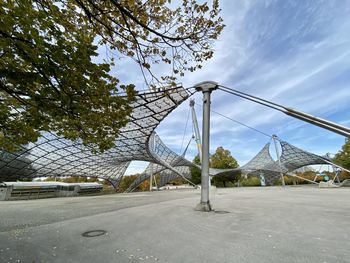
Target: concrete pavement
272, 224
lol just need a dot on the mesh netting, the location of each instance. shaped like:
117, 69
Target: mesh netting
167, 175
166, 164
263, 164
52, 155
260, 161
293, 158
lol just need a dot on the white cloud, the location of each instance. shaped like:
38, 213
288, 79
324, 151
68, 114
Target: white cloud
295, 54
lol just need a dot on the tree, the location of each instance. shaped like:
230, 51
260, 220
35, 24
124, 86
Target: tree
129, 179
343, 156
178, 181
222, 159
126, 182
195, 171
49, 80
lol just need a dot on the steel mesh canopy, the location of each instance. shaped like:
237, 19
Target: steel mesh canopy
261, 164
166, 163
291, 159
260, 161
294, 158
264, 164
167, 175
52, 155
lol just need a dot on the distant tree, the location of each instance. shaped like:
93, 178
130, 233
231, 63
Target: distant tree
251, 181
222, 159
126, 182
178, 181
343, 156
157, 177
71, 179
92, 179
195, 171
52, 179
144, 186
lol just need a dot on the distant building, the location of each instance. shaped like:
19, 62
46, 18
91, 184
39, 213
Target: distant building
36, 190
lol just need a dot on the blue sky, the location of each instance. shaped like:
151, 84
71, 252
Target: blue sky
295, 53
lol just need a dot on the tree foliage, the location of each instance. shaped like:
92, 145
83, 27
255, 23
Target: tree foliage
178, 181
152, 32
343, 156
126, 182
195, 171
222, 159
50, 82
72, 179
129, 179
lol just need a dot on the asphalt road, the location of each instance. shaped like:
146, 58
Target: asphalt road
274, 224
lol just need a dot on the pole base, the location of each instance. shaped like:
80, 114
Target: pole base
203, 207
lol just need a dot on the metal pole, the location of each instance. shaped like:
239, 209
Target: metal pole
155, 181
197, 134
151, 177
334, 127
302, 178
196, 130
206, 87
338, 166
319, 121
151, 164
278, 158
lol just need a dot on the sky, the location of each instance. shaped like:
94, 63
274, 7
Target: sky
294, 53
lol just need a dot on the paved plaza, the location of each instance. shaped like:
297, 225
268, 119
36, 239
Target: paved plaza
272, 224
